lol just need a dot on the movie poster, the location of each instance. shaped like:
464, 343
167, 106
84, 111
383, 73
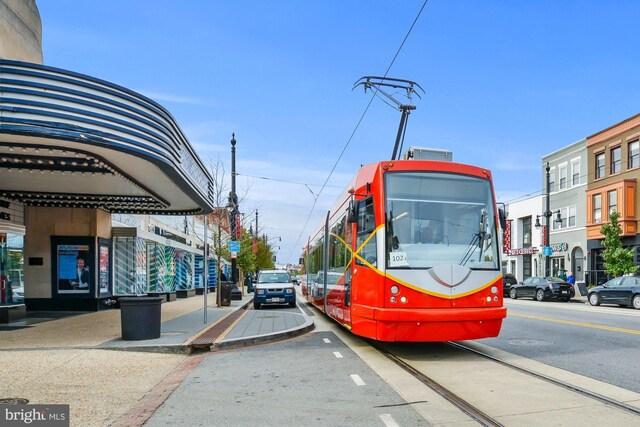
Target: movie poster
74, 267
103, 276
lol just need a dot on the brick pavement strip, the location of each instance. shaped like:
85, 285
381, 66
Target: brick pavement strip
211, 334
137, 415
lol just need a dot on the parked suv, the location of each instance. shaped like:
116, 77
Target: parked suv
274, 287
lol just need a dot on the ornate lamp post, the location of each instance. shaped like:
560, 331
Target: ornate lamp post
547, 214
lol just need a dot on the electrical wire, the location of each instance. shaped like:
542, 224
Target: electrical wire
284, 180
360, 120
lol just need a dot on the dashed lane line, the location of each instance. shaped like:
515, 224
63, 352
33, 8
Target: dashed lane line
326, 340
337, 354
356, 379
388, 420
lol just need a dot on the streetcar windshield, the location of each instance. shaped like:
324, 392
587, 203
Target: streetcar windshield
435, 218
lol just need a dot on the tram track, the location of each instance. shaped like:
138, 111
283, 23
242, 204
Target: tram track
457, 401
576, 389
475, 411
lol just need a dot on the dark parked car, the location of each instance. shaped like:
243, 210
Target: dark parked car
542, 288
624, 291
507, 281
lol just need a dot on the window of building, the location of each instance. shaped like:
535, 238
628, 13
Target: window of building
575, 172
599, 173
613, 200
634, 154
572, 216
568, 216
616, 160
597, 208
526, 232
562, 172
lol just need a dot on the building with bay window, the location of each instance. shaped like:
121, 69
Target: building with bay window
614, 167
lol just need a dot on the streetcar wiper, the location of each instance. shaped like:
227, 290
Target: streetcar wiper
477, 241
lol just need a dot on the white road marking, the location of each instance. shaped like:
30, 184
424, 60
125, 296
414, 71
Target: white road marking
337, 354
326, 340
388, 420
356, 379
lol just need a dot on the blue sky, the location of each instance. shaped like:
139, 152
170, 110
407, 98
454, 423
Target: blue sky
507, 82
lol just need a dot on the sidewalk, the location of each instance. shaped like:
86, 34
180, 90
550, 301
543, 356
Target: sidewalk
72, 359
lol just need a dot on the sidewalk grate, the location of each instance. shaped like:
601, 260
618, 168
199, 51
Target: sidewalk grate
211, 334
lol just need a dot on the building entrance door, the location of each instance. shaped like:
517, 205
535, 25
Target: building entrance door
557, 266
578, 264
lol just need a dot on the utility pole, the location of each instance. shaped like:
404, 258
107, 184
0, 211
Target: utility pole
205, 266
219, 275
256, 223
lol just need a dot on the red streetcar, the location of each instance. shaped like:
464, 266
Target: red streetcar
409, 252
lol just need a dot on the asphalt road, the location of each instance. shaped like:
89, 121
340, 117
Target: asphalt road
304, 381
598, 342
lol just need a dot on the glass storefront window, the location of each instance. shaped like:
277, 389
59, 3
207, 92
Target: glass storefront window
12, 268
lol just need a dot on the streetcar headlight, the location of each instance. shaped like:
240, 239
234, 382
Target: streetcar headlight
494, 289
395, 289
488, 299
403, 300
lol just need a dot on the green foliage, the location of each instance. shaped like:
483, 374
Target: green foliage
617, 260
246, 260
264, 257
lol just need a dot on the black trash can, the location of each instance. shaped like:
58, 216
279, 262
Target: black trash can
236, 293
140, 318
225, 292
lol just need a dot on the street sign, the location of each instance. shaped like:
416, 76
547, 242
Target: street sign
234, 246
547, 251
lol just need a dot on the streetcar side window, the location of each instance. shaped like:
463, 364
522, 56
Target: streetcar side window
366, 233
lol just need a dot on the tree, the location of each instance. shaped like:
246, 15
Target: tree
617, 260
246, 259
264, 256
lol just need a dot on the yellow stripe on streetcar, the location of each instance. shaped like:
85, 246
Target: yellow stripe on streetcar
571, 322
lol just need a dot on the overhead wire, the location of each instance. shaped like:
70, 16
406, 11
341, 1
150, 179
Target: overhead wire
284, 180
360, 120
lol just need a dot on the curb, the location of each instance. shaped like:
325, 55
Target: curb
307, 326
182, 348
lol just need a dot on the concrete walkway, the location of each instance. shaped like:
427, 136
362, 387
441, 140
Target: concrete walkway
71, 360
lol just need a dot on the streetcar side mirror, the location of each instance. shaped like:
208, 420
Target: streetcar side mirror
502, 217
352, 212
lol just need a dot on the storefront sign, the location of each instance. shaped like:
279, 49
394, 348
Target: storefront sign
560, 247
523, 251
506, 244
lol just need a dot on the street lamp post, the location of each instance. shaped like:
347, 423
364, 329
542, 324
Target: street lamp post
547, 214
233, 203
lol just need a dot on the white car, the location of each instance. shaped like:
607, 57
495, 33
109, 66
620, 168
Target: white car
274, 287
17, 294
